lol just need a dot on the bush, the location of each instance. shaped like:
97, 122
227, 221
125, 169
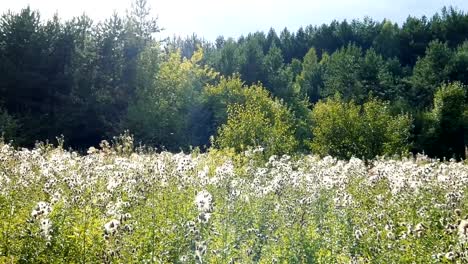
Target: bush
253, 125
250, 117
8, 125
345, 129
229, 91
232, 91
443, 131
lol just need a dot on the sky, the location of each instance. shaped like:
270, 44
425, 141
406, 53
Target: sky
212, 18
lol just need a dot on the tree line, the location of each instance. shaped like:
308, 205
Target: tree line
359, 88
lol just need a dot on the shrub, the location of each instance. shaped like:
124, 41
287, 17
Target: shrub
8, 125
269, 126
443, 132
345, 129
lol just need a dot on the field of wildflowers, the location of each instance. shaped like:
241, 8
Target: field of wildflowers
116, 205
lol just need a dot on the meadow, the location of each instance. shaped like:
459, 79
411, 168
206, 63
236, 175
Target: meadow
117, 204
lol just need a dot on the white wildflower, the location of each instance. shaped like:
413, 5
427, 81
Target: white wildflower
111, 227
204, 202
463, 230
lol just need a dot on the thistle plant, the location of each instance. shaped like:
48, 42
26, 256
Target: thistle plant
114, 205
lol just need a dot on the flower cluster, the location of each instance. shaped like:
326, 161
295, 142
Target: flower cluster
41, 213
115, 205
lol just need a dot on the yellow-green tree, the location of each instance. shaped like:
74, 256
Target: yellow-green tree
253, 125
346, 129
249, 117
168, 104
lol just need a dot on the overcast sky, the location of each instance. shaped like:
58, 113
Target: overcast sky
211, 18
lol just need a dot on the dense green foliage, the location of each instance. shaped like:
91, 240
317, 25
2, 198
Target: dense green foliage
168, 103
269, 125
345, 129
89, 81
444, 125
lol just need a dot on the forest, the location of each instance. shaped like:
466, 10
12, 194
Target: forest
360, 88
